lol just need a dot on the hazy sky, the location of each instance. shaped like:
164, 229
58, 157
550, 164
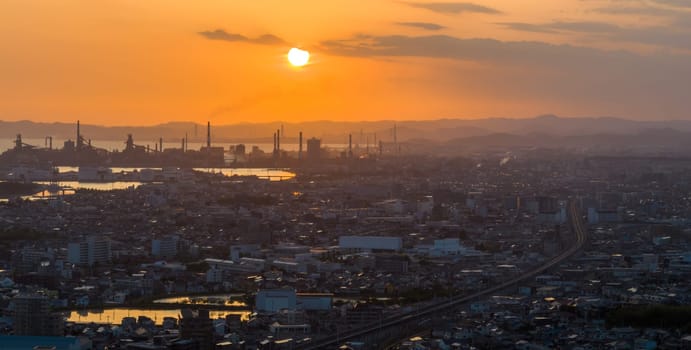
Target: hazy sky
133, 62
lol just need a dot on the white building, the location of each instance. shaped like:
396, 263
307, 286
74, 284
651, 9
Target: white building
273, 300
165, 247
445, 247
370, 243
94, 174
90, 251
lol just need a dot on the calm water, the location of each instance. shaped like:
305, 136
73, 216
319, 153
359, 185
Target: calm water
262, 173
221, 299
115, 316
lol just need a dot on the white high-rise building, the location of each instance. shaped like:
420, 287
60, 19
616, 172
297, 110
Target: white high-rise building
165, 247
90, 251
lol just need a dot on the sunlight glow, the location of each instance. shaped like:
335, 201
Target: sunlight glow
297, 57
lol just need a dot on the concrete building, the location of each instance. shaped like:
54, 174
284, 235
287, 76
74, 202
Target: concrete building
314, 148
370, 243
197, 326
16, 342
165, 247
90, 251
32, 316
314, 301
273, 300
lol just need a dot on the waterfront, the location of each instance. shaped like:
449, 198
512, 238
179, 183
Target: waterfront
117, 145
115, 315
231, 300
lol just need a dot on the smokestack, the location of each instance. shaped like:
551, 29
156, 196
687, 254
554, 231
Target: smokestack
182, 144
208, 135
350, 145
278, 140
79, 137
160, 144
274, 143
397, 147
300, 146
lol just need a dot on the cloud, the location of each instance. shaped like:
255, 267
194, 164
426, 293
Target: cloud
454, 7
636, 10
528, 27
554, 27
422, 25
674, 3
652, 35
655, 85
220, 34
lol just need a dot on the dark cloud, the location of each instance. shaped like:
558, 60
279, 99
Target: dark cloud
454, 7
554, 27
528, 27
653, 35
220, 34
269, 39
656, 84
445, 46
422, 25
636, 10
674, 3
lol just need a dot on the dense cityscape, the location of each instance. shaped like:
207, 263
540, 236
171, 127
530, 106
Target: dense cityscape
532, 249
345, 175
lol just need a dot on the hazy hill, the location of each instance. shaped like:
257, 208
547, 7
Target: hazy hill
543, 131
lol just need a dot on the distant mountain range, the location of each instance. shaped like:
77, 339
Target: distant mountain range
543, 131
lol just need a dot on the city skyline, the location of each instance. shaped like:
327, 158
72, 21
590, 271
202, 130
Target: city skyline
133, 63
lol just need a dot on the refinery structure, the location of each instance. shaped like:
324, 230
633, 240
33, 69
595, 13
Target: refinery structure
82, 152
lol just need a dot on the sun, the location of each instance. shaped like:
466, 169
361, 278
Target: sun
297, 57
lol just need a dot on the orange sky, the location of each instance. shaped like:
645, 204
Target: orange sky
133, 62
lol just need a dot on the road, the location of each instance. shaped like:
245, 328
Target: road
581, 236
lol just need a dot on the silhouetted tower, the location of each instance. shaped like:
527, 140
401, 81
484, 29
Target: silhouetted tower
129, 144
80, 141
395, 136
208, 135
300, 146
350, 145
314, 149
18, 142
182, 144
278, 140
160, 144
